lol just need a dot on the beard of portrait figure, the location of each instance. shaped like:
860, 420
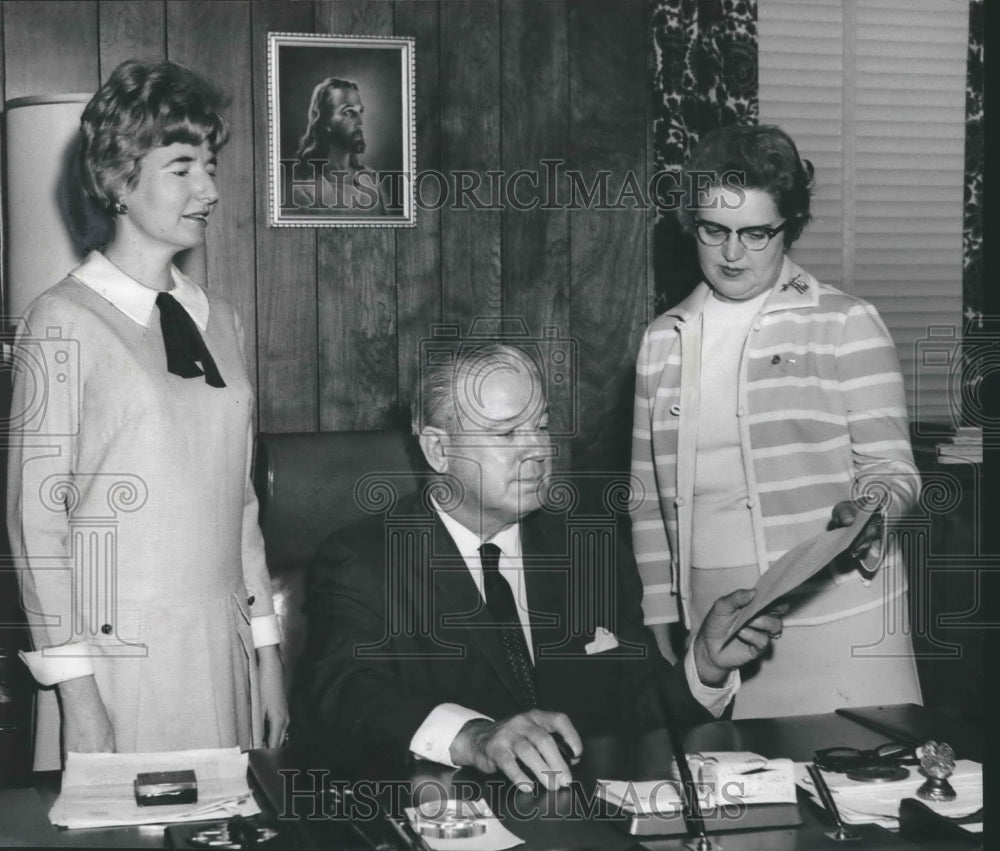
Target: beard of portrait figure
343, 138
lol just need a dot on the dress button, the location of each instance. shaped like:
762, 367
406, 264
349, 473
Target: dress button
679, 502
106, 629
756, 326
740, 411
675, 410
751, 502
776, 359
250, 600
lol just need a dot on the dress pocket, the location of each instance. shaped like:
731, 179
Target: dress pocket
241, 621
241, 607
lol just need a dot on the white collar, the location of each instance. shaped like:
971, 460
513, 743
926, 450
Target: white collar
468, 542
135, 300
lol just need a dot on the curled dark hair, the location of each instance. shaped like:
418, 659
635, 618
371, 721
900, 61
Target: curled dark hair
760, 157
145, 105
321, 107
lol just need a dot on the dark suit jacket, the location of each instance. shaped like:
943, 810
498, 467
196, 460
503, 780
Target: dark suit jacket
396, 626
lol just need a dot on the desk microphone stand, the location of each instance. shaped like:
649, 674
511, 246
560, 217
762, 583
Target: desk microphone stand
689, 791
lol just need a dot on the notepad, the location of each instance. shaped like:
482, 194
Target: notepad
736, 777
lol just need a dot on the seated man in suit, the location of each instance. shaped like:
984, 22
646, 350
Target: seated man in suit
472, 626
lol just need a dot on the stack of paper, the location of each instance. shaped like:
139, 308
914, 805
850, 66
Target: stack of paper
863, 803
965, 447
645, 797
97, 788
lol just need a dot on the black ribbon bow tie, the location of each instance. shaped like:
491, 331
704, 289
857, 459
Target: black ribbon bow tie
184, 345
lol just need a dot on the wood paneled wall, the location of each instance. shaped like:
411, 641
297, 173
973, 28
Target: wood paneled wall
337, 314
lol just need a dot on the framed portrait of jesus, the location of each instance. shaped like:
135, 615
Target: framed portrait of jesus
341, 130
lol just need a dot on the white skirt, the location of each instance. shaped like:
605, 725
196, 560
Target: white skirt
863, 659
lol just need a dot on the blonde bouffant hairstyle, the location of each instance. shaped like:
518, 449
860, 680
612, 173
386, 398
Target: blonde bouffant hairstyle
145, 105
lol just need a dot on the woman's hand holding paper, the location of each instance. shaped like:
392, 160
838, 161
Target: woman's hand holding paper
868, 543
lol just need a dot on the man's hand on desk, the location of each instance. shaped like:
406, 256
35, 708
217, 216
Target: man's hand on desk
713, 656
528, 740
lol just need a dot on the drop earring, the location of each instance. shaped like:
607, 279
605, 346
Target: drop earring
120, 208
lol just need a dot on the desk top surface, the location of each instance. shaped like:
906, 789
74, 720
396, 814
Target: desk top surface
545, 822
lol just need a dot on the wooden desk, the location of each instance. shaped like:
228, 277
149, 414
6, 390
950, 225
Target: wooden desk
554, 823
550, 823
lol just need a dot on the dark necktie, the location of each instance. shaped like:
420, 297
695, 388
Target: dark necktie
184, 345
503, 609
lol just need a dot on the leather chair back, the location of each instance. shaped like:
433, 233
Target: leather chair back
311, 484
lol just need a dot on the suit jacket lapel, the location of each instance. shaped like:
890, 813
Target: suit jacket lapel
461, 607
547, 582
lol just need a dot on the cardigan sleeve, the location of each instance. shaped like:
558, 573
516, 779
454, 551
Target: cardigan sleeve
872, 387
649, 533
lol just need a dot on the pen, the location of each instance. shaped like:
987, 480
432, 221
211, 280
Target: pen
826, 796
407, 841
693, 815
367, 840
689, 793
410, 836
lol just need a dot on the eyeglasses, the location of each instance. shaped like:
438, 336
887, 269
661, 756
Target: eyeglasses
851, 759
754, 238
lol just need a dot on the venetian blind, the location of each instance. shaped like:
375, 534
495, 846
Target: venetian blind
873, 92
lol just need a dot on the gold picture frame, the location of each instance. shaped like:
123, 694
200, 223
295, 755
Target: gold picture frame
341, 130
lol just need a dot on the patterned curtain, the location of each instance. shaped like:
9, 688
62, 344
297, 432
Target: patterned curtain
981, 326
972, 236
704, 76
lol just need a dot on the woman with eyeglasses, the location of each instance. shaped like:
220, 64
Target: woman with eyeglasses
768, 407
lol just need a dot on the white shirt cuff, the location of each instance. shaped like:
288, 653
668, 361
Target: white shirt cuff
714, 699
52, 665
265, 630
433, 738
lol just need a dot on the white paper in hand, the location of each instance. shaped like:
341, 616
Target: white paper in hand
800, 563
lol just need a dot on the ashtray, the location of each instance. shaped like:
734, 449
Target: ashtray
879, 773
451, 819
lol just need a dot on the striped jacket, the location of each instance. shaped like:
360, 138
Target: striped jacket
822, 418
